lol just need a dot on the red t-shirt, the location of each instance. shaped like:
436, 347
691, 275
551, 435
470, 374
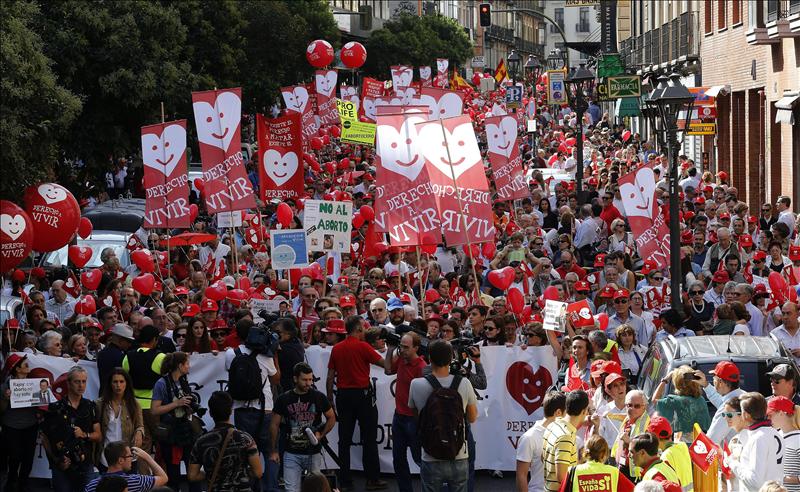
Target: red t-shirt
350, 359
608, 215
405, 373
580, 272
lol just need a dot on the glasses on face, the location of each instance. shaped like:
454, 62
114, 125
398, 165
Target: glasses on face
766, 210
696, 293
730, 415
180, 335
620, 301
218, 334
530, 335
491, 328
634, 405
563, 241
658, 279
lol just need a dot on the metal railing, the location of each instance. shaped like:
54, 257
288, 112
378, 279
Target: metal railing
500, 33
673, 40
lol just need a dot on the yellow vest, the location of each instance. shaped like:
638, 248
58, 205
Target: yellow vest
609, 345
595, 477
677, 456
639, 427
662, 468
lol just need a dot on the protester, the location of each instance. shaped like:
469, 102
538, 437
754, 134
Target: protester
644, 454
20, 427
674, 454
120, 457
120, 414
144, 366
724, 388
559, 448
686, 406
762, 455
530, 446
781, 412
594, 473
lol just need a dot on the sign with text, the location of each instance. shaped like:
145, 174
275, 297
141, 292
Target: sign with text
30, 392
353, 130
504, 156
624, 86
646, 218
327, 225
556, 87
280, 156
288, 248
555, 316
702, 129
166, 181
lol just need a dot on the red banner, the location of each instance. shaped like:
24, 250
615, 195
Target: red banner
442, 103
442, 64
504, 156
425, 76
457, 178
325, 85
166, 181
404, 203
638, 189
402, 75
218, 118
298, 100
280, 156
703, 452
370, 89
580, 314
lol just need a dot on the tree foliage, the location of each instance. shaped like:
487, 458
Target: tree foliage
414, 40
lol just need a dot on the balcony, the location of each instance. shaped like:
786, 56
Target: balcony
674, 42
503, 34
529, 47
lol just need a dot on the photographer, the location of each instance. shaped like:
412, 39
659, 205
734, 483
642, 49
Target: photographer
120, 457
290, 349
174, 404
404, 361
70, 429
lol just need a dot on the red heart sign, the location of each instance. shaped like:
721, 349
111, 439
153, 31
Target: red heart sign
143, 260
144, 284
217, 291
86, 306
91, 279
79, 255
502, 279
527, 387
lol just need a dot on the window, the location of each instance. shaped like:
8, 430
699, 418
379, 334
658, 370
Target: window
773, 10
709, 28
722, 15
794, 6
755, 14
559, 18
736, 10
583, 20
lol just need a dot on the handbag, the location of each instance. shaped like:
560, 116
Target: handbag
219, 460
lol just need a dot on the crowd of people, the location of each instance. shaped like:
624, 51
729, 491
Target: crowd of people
401, 309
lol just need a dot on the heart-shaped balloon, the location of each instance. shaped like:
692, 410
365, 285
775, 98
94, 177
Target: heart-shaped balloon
502, 278
85, 227
237, 296
217, 291
602, 320
79, 255
91, 278
86, 306
527, 387
515, 301
144, 284
143, 260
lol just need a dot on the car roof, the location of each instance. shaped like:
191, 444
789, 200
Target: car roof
722, 346
122, 215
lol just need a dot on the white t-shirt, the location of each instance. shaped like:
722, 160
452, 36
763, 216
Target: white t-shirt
267, 365
113, 431
529, 449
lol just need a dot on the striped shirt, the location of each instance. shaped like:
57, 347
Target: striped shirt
136, 483
791, 458
558, 449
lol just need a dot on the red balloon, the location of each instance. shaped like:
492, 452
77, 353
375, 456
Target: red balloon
602, 320
237, 296
336, 132
55, 215
525, 316
316, 143
551, 293
428, 248
144, 284
515, 301
502, 278
284, 213
91, 278
79, 255
199, 184
143, 260
16, 235
779, 286
473, 252
243, 283
353, 54
489, 249
295, 274
358, 220
344, 163
326, 139
86, 306
315, 270
217, 291
85, 228
319, 53
330, 167
367, 212
193, 211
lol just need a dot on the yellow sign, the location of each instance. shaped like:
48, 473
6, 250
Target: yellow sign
353, 130
702, 129
581, 3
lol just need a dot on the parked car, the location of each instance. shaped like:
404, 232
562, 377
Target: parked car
755, 356
10, 307
98, 241
125, 215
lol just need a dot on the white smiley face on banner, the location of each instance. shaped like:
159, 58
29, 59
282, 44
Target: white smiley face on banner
400, 151
700, 447
501, 137
347, 91
326, 82
442, 64
369, 108
406, 95
449, 105
279, 167
296, 99
639, 196
216, 124
464, 152
425, 73
13, 226
402, 76
52, 193
162, 153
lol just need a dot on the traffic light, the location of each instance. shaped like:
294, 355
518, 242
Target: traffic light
485, 11
365, 17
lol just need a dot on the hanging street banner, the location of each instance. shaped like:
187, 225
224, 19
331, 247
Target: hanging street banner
280, 155
166, 181
218, 118
504, 156
288, 248
646, 218
624, 86
325, 85
556, 87
327, 225
353, 130
298, 99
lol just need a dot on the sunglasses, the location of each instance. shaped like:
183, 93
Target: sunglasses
620, 301
180, 335
529, 335
696, 293
634, 405
218, 334
730, 415
657, 279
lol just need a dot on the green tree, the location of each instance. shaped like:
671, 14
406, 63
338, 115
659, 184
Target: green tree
413, 40
35, 109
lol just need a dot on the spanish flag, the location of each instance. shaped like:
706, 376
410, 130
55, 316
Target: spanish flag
500, 73
458, 82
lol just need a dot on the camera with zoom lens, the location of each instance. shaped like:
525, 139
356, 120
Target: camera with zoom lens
463, 348
389, 336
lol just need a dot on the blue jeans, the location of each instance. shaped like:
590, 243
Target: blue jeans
73, 480
434, 474
295, 464
404, 436
248, 420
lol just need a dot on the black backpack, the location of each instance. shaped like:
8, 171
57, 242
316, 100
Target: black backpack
441, 429
244, 377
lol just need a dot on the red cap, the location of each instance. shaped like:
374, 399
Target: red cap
383, 283
760, 289
700, 200
727, 371
394, 274
689, 215
600, 260
219, 324
191, 310
752, 219
405, 298
722, 175
369, 177
592, 181
432, 295
780, 404
600, 367
18, 275
12, 361
686, 237
335, 326
745, 240
724, 215
347, 300
181, 291
606, 292
649, 266
582, 286
794, 253
660, 427
208, 305
342, 280
435, 317
721, 276
621, 294
759, 255
38, 272
11, 324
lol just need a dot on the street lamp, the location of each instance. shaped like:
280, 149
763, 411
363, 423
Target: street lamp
670, 100
533, 69
555, 60
513, 65
580, 84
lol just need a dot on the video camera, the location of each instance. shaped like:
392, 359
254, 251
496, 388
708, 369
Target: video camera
263, 338
463, 348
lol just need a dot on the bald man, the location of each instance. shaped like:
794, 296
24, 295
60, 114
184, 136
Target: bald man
789, 332
60, 303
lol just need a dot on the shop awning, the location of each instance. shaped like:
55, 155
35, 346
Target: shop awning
785, 107
714, 90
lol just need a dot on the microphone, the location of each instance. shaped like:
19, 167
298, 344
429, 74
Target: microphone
311, 436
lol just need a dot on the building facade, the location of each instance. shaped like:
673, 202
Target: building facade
579, 22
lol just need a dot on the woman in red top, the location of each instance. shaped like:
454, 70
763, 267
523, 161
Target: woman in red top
197, 338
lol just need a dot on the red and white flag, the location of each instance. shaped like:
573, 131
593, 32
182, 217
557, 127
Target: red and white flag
280, 157
504, 156
218, 118
442, 80
325, 86
298, 99
580, 314
650, 231
166, 181
425, 76
457, 179
402, 75
703, 452
404, 205
442, 103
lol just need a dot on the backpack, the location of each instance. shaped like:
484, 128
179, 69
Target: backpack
244, 377
441, 428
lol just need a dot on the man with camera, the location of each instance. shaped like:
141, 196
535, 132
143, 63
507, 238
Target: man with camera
298, 414
251, 369
120, 458
404, 361
444, 402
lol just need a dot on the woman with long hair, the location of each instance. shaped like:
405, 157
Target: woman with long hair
493, 332
686, 406
550, 218
197, 338
20, 427
578, 370
120, 413
631, 354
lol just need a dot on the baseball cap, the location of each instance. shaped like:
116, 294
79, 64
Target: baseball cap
208, 305
122, 330
649, 266
726, 370
582, 286
191, 311
613, 378
752, 219
405, 298
335, 326
745, 240
605, 367
446, 308
621, 294
347, 300
784, 371
383, 283
759, 255
724, 215
700, 200
13, 361
794, 253
722, 175
660, 427
432, 295
606, 292
181, 291
435, 317
708, 189
229, 281
600, 260
38, 272
780, 404
394, 303
721, 276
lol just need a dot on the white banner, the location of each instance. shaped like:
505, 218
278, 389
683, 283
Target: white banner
517, 381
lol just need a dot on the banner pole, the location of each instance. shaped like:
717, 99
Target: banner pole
421, 300
235, 250
461, 211
162, 112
